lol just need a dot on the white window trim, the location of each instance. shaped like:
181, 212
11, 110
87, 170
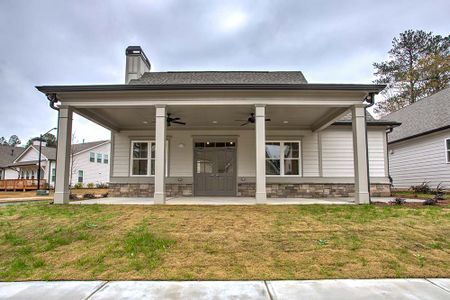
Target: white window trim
149, 157
447, 150
300, 164
90, 157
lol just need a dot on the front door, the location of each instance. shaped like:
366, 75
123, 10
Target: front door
215, 169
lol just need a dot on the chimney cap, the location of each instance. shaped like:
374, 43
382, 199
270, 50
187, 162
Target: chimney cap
137, 50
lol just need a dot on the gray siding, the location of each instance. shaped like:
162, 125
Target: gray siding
420, 159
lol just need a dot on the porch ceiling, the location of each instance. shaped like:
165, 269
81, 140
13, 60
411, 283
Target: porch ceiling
208, 117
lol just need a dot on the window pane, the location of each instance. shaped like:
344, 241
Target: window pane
272, 167
291, 167
273, 150
105, 158
153, 149
99, 157
140, 167
291, 150
152, 167
448, 144
92, 157
140, 150
209, 144
199, 145
448, 156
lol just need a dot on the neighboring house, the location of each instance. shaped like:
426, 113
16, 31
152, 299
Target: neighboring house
419, 149
249, 134
7, 156
89, 163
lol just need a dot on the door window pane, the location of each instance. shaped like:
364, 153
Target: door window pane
204, 166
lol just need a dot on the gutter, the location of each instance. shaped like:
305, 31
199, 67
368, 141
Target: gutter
370, 99
369, 88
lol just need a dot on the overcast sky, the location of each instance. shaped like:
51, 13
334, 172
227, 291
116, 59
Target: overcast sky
83, 42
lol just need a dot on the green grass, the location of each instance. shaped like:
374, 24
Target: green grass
85, 242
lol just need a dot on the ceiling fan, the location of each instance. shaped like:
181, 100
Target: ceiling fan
171, 120
250, 120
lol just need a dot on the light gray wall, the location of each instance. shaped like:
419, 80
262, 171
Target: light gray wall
420, 159
336, 142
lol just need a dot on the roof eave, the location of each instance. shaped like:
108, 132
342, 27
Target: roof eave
371, 88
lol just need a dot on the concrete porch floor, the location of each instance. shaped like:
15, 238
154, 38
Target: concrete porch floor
228, 201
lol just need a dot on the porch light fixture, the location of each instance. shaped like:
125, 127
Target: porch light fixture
207, 143
180, 145
215, 122
285, 122
145, 122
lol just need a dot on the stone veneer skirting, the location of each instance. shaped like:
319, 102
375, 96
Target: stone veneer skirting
311, 190
274, 190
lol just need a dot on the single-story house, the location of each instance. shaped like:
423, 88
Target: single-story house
252, 134
89, 163
419, 149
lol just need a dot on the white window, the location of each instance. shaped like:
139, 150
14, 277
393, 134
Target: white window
142, 158
92, 157
105, 158
447, 148
283, 158
80, 176
99, 157
53, 174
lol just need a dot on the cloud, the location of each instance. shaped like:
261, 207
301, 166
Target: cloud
83, 42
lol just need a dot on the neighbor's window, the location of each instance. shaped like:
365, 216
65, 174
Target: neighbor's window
92, 157
105, 158
99, 157
447, 146
53, 174
283, 158
80, 176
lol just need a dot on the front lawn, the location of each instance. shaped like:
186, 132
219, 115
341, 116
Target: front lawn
83, 242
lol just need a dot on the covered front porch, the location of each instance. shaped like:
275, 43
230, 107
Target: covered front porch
252, 144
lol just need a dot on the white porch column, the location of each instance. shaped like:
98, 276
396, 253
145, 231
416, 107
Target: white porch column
160, 153
260, 128
63, 156
360, 162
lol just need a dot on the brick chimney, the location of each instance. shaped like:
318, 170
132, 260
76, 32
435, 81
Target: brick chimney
137, 63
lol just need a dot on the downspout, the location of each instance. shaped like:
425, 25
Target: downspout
389, 130
370, 99
53, 100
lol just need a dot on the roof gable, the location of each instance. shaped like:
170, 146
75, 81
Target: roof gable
426, 115
30, 154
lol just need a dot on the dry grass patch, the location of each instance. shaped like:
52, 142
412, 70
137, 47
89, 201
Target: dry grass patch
40, 241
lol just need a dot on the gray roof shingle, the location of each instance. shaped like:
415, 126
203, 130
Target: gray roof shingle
8, 154
221, 77
428, 114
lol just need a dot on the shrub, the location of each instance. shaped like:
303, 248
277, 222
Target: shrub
439, 192
78, 185
423, 188
88, 196
104, 195
398, 201
90, 185
73, 197
101, 185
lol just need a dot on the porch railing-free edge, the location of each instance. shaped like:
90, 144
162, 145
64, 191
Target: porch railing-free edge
21, 184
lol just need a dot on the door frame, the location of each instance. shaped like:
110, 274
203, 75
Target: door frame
215, 138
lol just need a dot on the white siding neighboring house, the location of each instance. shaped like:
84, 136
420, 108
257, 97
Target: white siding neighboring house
419, 149
7, 156
83, 170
